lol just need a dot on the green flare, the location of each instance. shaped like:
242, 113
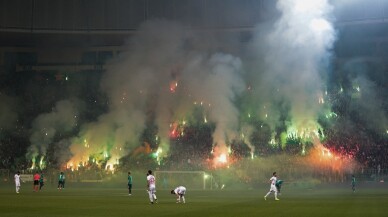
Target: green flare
283, 139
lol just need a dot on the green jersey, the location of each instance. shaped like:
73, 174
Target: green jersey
353, 180
41, 179
61, 177
129, 180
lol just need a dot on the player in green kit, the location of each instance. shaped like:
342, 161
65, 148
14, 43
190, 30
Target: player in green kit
279, 184
129, 184
41, 181
61, 179
353, 183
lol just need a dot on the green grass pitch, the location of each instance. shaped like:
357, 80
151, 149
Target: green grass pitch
294, 202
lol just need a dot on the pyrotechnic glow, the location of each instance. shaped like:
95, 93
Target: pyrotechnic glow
222, 158
158, 155
331, 114
109, 167
306, 133
325, 158
33, 164
326, 152
173, 86
42, 163
69, 166
321, 100
224, 113
174, 131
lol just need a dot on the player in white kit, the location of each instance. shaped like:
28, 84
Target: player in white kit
180, 193
273, 187
17, 182
151, 187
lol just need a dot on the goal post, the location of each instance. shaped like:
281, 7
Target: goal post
195, 180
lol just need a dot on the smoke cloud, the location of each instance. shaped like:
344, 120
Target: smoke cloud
162, 76
292, 55
366, 96
45, 127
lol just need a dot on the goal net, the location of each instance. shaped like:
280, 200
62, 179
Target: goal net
190, 179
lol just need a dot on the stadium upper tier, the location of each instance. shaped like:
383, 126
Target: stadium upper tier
127, 15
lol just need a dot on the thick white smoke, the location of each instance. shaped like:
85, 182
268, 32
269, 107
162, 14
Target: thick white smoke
293, 53
217, 81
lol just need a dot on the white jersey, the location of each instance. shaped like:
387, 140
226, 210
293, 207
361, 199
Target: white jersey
17, 179
273, 180
180, 190
151, 181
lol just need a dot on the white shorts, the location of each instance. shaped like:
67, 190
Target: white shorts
17, 184
152, 189
273, 188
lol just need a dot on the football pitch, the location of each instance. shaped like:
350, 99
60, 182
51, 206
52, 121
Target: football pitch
87, 201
